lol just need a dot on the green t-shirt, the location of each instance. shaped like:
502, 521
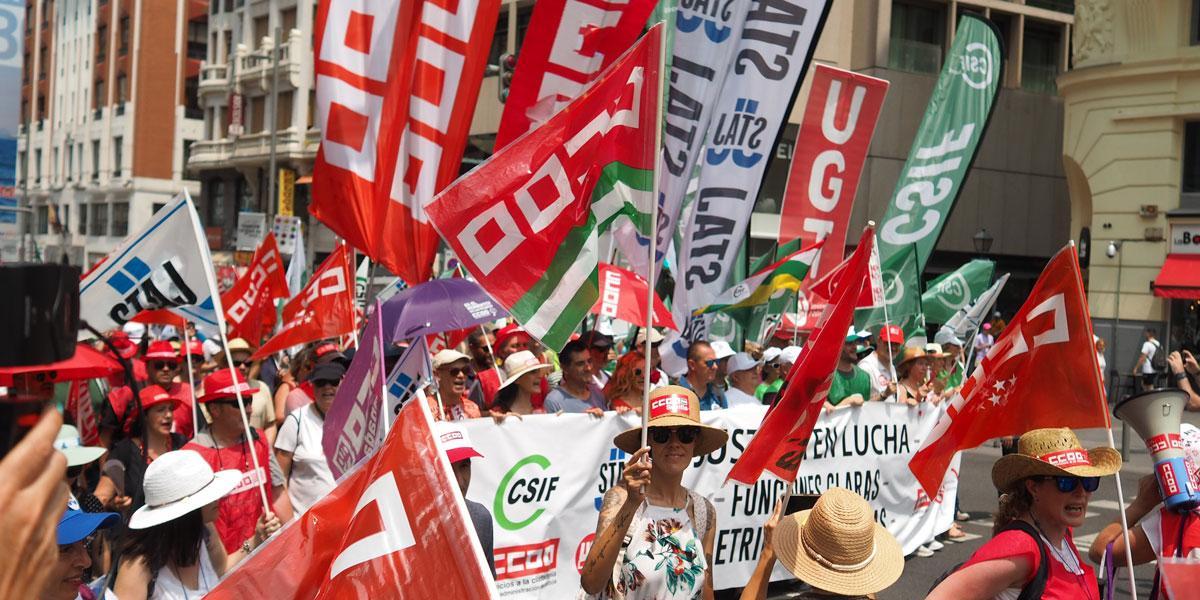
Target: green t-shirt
952, 378
843, 386
767, 388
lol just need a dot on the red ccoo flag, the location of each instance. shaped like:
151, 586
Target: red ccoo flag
1042, 372
783, 436
324, 308
249, 309
395, 527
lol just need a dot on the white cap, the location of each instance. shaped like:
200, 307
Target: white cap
447, 356
741, 362
655, 337
456, 442
772, 353
136, 331
790, 354
945, 336
722, 349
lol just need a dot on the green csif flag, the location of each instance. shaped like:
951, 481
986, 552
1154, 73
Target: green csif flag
946, 141
956, 289
901, 292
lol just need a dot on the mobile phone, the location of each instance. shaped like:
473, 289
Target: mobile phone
115, 470
799, 502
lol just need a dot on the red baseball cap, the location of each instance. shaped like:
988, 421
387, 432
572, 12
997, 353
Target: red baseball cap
221, 385
891, 334
161, 350
509, 331
152, 395
196, 348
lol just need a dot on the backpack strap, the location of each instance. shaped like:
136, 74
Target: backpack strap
1033, 590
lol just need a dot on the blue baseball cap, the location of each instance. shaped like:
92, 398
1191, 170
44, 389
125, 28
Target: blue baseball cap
76, 525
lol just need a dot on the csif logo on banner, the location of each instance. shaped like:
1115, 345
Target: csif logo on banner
524, 492
145, 288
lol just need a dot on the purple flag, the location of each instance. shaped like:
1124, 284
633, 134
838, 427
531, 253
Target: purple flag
354, 425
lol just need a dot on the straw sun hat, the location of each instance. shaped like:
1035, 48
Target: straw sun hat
838, 547
520, 363
674, 406
177, 483
1053, 452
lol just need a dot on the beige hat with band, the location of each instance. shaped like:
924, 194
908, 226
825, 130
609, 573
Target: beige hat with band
1053, 452
838, 547
520, 363
674, 406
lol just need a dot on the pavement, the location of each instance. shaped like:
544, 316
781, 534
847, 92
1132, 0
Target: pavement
977, 497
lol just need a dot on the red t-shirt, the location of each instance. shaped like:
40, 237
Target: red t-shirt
239, 511
1061, 584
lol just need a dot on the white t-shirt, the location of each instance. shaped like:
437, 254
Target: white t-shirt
311, 479
735, 397
1149, 348
880, 373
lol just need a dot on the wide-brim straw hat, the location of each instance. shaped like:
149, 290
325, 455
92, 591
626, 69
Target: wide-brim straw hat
675, 406
910, 354
520, 363
177, 483
1053, 452
838, 547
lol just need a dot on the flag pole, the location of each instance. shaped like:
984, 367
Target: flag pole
650, 269
1108, 430
383, 376
487, 342
219, 310
886, 321
187, 341
350, 291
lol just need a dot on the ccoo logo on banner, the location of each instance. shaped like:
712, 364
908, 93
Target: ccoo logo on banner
544, 477
164, 266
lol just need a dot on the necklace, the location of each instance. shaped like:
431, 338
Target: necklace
1079, 578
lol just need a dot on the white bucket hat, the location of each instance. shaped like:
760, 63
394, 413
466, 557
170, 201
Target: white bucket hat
520, 363
177, 483
69, 444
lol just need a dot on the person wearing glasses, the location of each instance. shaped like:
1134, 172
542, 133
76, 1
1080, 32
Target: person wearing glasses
772, 376
162, 367
262, 405
152, 437
224, 446
701, 376
670, 529
299, 448
451, 370
1045, 487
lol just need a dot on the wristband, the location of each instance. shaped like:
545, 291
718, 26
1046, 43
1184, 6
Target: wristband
1180, 376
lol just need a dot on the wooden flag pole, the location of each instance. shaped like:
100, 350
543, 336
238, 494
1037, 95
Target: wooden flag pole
650, 270
187, 341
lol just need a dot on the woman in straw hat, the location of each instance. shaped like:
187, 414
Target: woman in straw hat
1045, 487
517, 392
913, 372
654, 538
174, 551
837, 548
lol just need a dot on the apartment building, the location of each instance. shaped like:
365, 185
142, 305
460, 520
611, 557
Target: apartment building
108, 121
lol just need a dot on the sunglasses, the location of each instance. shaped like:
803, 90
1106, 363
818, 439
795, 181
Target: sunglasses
711, 363
685, 435
161, 365
241, 363
232, 402
1068, 484
325, 382
456, 371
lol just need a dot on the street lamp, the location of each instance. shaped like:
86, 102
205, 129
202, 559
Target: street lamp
982, 240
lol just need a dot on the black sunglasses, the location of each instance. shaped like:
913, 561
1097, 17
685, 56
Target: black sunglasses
325, 382
456, 371
231, 402
241, 363
1068, 484
159, 365
685, 435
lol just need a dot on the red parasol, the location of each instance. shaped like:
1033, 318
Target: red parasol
86, 364
623, 296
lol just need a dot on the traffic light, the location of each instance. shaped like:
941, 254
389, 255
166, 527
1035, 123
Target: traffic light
508, 64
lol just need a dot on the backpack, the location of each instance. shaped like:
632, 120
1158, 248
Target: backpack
1032, 590
1158, 362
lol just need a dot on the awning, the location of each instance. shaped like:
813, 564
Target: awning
1179, 277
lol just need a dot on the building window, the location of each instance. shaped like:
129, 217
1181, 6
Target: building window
64, 218
257, 112
191, 98
43, 219
283, 111
70, 163
25, 71
117, 151
1195, 22
1190, 186
101, 43
98, 93
123, 36
197, 39
37, 165
79, 165
216, 203
260, 30
98, 223
122, 88
42, 62
918, 31
120, 219
83, 219
95, 161
500, 39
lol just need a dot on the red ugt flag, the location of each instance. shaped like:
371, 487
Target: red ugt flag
324, 308
396, 87
1042, 372
248, 307
783, 436
395, 527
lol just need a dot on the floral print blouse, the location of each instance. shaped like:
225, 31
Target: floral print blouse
664, 560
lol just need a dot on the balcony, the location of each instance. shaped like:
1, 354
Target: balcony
214, 79
210, 154
254, 68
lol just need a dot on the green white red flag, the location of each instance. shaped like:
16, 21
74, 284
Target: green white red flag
785, 275
782, 438
525, 222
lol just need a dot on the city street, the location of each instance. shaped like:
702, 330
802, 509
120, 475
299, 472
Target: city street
978, 498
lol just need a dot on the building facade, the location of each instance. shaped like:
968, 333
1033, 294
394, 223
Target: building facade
108, 121
1131, 152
